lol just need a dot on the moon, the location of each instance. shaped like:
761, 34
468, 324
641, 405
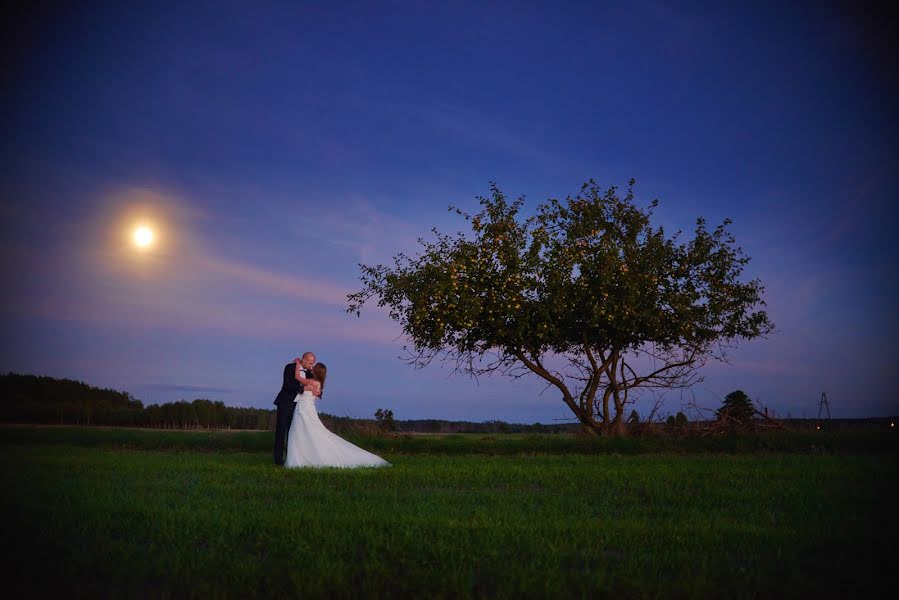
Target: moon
143, 237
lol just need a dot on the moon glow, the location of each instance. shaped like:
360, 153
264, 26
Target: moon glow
143, 237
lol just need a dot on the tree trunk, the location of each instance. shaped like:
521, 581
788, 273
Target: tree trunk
605, 410
618, 425
591, 427
586, 420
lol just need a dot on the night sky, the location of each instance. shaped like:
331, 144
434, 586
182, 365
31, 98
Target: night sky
275, 147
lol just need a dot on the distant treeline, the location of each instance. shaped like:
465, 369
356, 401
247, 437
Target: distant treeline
51, 401
443, 426
47, 400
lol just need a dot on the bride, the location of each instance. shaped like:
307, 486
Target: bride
309, 443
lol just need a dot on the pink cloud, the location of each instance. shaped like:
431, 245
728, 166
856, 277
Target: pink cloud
207, 318
311, 290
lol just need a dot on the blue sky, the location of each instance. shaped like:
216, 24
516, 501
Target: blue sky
277, 146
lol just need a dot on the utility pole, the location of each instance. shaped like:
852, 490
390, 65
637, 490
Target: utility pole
823, 406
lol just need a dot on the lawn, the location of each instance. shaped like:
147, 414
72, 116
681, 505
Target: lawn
98, 513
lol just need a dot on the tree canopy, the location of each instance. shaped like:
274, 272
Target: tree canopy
736, 410
585, 293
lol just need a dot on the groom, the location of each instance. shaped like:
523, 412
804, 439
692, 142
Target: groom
284, 401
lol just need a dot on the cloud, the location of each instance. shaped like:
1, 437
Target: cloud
485, 131
372, 235
457, 123
93, 275
166, 387
303, 288
212, 316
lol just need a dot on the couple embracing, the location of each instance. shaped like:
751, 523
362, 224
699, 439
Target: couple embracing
309, 443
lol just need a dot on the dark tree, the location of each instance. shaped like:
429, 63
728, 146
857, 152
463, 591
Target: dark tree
586, 294
385, 419
736, 411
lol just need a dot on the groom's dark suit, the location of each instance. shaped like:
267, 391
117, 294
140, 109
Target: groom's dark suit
284, 401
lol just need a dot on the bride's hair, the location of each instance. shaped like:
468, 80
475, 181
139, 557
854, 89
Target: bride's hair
319, 372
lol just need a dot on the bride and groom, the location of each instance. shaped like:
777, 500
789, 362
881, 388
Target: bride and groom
309, 443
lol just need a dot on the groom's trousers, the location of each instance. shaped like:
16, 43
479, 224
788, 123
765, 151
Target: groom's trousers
282, 427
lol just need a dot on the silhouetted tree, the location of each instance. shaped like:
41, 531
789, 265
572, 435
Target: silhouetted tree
736, 411
385, 420
587, 280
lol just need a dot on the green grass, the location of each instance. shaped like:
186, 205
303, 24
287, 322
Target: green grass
96, 513
886, 441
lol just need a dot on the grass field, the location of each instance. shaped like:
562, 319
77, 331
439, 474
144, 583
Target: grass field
105, 512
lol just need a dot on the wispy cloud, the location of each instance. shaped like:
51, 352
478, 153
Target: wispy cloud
373, 235
456, 123
189, 285
486, 130
210, 316
303, 288
167, 387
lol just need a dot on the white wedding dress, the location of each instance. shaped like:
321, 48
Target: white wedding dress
310, 444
